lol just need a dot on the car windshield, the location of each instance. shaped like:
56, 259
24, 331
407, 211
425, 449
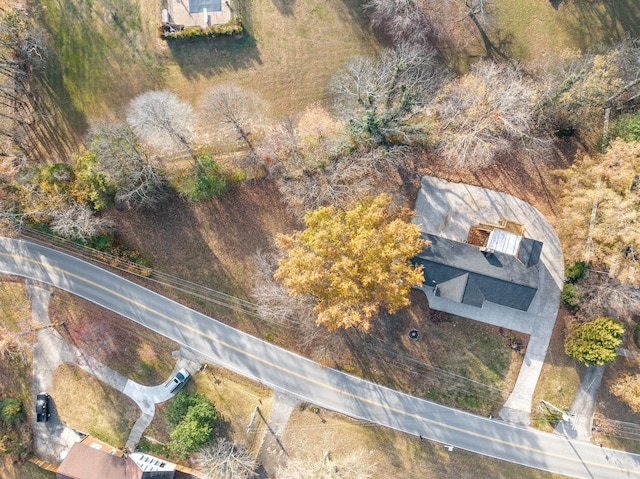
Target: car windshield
179, 377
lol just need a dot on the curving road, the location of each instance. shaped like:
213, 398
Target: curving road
309, 381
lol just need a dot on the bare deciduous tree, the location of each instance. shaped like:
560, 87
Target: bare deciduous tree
126, 164
161, 119
224, 460
482, 113
378, 96
275, 304
609, 180
338, 183
298, 145
605, 296
234, 109
13, 345
402, 20
77, 221
580, 86
356, 465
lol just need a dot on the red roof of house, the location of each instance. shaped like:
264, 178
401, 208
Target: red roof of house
86, 462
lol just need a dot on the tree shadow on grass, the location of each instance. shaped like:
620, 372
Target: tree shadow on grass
285, 7
59, 125
609, 21
359, 17
211, 242
204, 57
98, 60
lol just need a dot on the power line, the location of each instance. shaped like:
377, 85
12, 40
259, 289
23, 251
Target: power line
429, 373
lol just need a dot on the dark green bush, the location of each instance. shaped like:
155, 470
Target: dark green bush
205, 180
626, 127
574, 272
571, 296
193, 417
11, 409
179, 406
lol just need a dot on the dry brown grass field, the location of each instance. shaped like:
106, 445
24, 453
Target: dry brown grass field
88, 405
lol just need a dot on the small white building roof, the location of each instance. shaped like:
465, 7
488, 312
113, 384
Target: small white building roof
151, 464
503, 242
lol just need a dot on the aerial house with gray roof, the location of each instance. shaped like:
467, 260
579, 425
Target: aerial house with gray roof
496, 264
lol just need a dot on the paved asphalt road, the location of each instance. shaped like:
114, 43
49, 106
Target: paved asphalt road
309, 381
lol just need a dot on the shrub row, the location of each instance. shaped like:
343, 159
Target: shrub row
234, 27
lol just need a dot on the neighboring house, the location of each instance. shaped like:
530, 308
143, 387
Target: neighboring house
94, 459
197, 13
496, 264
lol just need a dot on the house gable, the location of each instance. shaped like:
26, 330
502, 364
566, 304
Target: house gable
466, 274
86, 462
94, 459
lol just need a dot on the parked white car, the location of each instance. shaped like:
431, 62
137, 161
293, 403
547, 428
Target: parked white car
178, 380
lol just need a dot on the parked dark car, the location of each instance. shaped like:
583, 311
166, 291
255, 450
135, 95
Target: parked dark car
42, 407
178, 380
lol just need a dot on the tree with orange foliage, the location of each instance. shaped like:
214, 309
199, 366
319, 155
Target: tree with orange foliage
611, 180
353, 262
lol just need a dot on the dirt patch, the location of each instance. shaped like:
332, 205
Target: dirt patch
210, 242
512, 173
120, 344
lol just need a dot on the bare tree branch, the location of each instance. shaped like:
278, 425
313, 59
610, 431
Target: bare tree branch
126, 164
483, 112
161, 119
237, 110
224, 460
378, 96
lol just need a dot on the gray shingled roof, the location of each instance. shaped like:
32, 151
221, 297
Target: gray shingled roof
460, 270
529, 251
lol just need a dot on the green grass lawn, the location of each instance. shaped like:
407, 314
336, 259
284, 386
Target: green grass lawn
107, 52
533, 29
102, 52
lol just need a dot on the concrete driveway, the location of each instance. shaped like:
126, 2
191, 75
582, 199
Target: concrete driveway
449, 209
53, 438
